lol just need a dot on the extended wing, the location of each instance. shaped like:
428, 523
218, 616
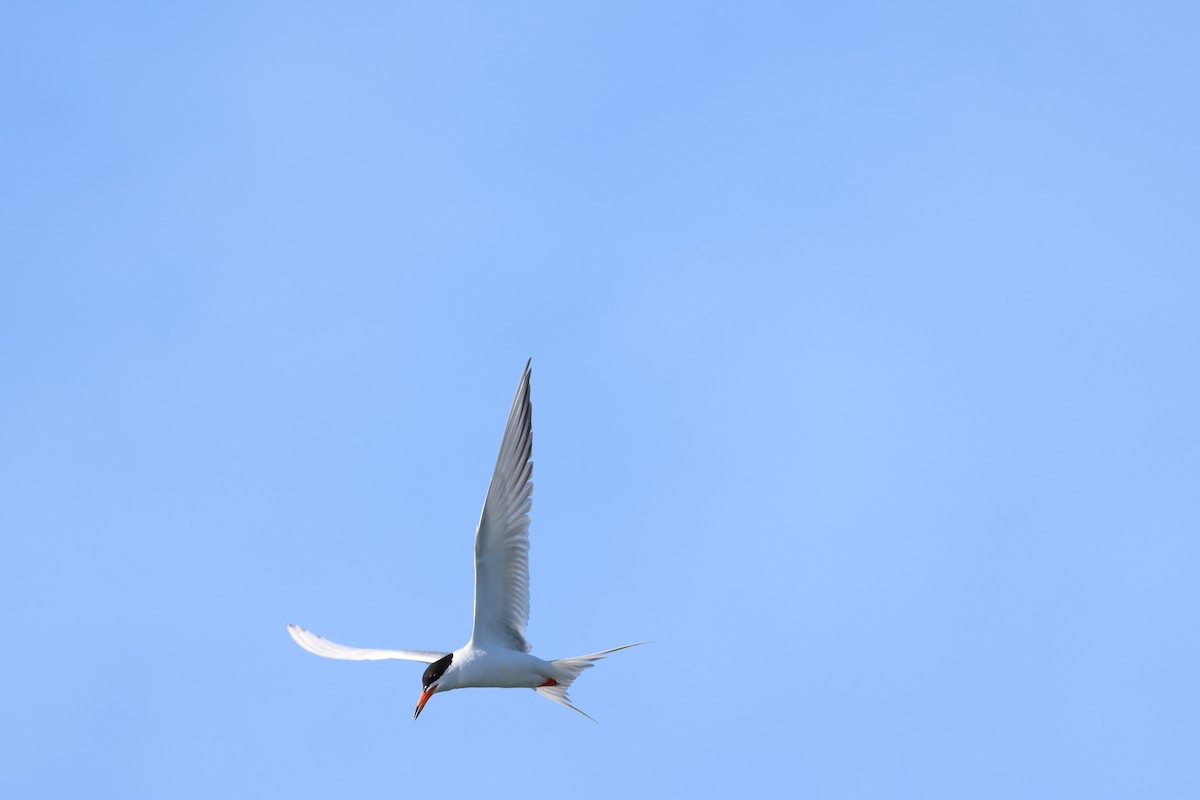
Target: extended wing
323, 647
502, 539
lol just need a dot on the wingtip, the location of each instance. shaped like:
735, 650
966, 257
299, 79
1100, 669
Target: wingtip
297, 633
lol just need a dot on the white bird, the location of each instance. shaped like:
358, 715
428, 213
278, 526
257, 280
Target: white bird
497, 653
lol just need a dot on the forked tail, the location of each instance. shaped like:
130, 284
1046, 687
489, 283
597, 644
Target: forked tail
568, 670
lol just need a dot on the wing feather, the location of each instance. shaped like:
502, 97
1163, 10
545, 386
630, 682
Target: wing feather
502, 538
323, 647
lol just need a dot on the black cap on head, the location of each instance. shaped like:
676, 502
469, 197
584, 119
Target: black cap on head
435, 670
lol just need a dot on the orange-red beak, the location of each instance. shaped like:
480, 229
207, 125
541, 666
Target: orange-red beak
423, 699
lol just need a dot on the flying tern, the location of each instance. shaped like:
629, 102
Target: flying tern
497, 654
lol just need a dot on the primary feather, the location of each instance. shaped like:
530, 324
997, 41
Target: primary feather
323, 647
502, 538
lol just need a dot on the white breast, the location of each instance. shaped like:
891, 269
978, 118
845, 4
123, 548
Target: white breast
474, 666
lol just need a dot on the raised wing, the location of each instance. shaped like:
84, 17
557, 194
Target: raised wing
502, 539
323, 647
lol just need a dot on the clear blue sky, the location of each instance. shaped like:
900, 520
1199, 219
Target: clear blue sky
865, 344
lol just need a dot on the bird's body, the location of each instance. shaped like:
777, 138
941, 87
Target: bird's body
497, 654
501, 667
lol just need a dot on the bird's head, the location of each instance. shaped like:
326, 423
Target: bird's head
431, 680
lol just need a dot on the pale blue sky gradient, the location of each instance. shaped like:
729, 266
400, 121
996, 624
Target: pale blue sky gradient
865, 342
